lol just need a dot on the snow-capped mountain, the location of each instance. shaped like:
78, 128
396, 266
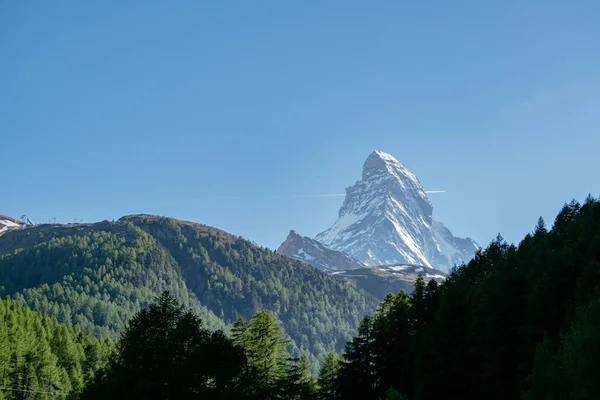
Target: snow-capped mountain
386, 218
314, 253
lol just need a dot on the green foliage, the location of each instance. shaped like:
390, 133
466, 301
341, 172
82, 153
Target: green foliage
266, 353
299, 383
165, 353
267, 358
328, 376
96, 278
572, 371
515, 322
233, 277
393, 394
43, 359
99, 276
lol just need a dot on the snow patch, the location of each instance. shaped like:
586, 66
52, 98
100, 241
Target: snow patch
434, 276
6, 225
343, 223
304, 255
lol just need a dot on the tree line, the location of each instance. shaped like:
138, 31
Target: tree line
517, 322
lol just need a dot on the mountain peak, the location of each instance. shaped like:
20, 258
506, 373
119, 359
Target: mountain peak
386, 157
381, 163
387, 218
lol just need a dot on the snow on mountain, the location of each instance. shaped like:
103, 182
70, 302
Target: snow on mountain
383, 279
7, 223
377, 280
314, 253
386, 218
405, 272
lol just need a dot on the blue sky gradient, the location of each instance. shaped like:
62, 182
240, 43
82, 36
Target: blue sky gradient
231, 113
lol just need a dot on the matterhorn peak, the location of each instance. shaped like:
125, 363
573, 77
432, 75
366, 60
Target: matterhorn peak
387, 218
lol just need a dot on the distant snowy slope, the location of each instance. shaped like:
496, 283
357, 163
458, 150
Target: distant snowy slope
7, 223
386, 218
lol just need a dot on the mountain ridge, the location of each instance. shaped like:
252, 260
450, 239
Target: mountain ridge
316, 254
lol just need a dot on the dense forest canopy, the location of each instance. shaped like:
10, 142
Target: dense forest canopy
43, 359
98, 276
515, 322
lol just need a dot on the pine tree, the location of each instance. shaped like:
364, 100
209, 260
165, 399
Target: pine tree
417, 305
328, 376
299, 384
40, 358
357, 374
393, 394
265, 347
165, 353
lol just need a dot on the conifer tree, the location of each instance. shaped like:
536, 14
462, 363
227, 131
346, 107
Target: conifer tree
328, 376
165, 353
357, 374
299, 384
267, 359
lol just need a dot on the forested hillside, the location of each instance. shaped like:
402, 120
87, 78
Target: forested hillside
232, 277
98, 276
95, 276
43, 359
516, 322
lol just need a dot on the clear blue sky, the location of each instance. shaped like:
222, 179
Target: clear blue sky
223, 112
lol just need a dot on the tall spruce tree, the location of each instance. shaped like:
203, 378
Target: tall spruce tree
357, 374
328, 378
267, 359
